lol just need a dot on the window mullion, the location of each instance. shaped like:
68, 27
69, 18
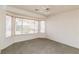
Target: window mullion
13, 26
22, 26
39, 26
34, 26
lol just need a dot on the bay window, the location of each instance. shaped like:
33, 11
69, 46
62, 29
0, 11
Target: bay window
24, 26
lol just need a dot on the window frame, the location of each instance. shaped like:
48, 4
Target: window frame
13, 26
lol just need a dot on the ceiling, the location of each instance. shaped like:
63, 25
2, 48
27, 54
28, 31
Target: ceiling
47, 10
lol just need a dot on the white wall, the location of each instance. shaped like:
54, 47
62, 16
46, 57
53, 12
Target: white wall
2, 25
28, 37
64, 28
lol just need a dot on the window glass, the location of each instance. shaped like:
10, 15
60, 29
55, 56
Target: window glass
36, 26
42, 26
8, 26
18, 26
28, 26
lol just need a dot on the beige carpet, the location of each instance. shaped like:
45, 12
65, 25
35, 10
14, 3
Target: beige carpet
39, 46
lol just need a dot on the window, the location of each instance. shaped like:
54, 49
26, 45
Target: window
36, 26
23, 26
18, 26
42, 26
28, 26
8, 26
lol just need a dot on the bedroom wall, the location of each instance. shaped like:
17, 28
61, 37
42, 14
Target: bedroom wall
2, 25
64, 28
